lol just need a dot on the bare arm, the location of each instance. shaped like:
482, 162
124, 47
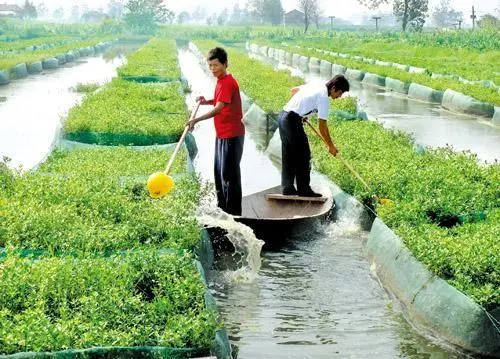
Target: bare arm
294, 90
215, 111
203, 101
325, 133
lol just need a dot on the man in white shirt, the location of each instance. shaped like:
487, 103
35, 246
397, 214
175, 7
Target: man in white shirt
296, 154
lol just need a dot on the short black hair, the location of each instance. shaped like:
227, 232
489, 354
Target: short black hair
218, 53
338, 82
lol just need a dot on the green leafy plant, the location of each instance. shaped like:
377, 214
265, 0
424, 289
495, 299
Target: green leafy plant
9, 60
86, 87
95, 201
476, 90
138, 299
129, 108
258, 80
438, 181
157, 58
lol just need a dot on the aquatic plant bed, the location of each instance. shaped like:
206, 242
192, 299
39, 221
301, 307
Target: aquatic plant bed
270, 89
129, 113
154, 62
446, 205
454, 60
475, 90
36, 43
8, 61
95, 201
108, 306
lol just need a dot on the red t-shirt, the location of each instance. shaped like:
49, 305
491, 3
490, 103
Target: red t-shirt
228, 123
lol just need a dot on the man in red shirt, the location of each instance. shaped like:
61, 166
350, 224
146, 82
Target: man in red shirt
229, 130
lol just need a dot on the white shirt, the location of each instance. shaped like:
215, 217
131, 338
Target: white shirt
311, 98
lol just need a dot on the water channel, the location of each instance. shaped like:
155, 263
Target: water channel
315, 297
430, 124
32, 109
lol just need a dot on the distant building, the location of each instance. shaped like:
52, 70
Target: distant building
10, 10
294, 17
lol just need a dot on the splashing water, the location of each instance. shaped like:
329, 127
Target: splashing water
247, 246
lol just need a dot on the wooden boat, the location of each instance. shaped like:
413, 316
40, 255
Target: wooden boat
273, 216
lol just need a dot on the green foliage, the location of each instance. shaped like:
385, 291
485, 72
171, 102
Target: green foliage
423, 186
9, 60
478, 91
110, 26
143, 15
15, 29
138, 299
86, 87
6, 175
189, 32
157, 58
345, 106
95, 200
124, 107
110, 267
29, 10
460, 60
257, 79
411, 13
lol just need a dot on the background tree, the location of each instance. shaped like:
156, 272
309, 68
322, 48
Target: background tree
142, 16
223, 17
42, 10
84, 8
29, 10
116, 9
489, 21
183, 17
198, 14
273, 11
444, 15
311, 11
236, 15
58, 14
269, 11
212, 20
75, 13
410, 13
256, 9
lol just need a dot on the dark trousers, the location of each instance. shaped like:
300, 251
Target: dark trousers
295, 152
228, 152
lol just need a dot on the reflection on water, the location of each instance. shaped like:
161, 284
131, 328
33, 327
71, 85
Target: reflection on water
315, 298
430, 124
31, 115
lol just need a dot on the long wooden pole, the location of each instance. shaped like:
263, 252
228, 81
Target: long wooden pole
181, 141
341, 159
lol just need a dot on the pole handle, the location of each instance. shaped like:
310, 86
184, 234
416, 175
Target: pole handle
181, 140
341, 158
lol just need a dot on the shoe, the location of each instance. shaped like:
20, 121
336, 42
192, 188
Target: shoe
289, 191
309, 193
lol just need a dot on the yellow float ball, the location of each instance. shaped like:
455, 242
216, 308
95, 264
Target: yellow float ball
385, 202
159, 184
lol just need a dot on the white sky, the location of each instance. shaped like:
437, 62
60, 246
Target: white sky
347, 9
